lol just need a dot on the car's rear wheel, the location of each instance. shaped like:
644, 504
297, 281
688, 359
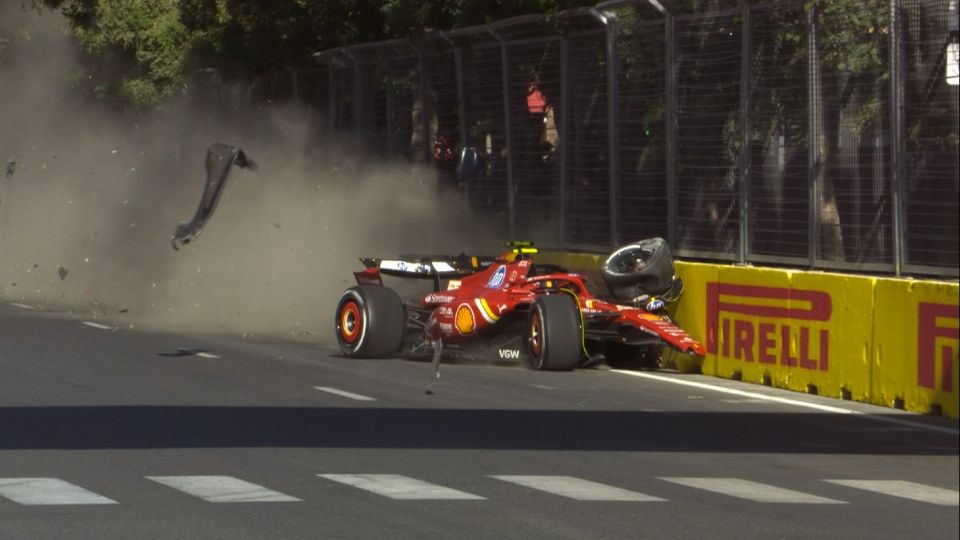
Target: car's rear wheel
554, 339
370, 321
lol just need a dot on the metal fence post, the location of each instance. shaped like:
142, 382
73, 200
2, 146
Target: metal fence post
610, 24
815, 127
461, 97
507, 131
743, 166
357, 93
897, 131
461, 102
671, 128
425, 109
391, 106
564, 138
332, 99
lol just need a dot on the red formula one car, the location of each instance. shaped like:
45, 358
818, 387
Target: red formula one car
511, 308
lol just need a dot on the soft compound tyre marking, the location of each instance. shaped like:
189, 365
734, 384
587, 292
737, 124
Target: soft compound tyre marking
351, 348
351, 322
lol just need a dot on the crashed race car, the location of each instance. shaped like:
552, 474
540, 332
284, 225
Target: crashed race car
511, 308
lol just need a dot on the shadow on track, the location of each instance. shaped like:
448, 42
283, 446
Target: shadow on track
125, 427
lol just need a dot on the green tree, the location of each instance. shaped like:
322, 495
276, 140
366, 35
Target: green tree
144, 47
140, 44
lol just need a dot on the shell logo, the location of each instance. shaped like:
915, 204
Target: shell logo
464, 320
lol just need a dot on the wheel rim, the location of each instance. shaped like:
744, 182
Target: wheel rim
536, 335
350, 322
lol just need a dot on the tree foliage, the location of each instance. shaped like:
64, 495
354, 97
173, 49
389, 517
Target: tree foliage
143, 48
147, 46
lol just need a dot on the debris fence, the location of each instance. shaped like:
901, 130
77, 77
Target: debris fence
816, 134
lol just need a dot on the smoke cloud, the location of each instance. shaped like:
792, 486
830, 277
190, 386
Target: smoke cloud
90, 197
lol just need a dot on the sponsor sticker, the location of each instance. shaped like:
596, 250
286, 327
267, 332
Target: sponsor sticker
496, 280
654, 304
404, 266
755, 323
437, 298
511, 354
938, 338
464, 321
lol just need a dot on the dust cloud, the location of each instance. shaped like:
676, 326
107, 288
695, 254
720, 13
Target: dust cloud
89, 200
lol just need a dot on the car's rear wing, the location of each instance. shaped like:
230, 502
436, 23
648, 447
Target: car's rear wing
435, 267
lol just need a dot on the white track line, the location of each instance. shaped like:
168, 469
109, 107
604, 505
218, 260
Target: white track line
576, 488
906, 490
47, 491
786, 401
400, 487
753, 491
222, 489
98, 326
344, 393
21, 306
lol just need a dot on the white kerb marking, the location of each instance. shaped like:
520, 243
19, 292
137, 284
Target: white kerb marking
98, 326
48, 491
207, 355
21, 306
753, 491
576, 488
344, 393
906, 490
787, 401
222, 489
400, 487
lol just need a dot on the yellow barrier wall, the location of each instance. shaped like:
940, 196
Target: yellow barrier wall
886, 341
916, 345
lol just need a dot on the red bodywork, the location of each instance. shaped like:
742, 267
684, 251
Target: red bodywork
478, 301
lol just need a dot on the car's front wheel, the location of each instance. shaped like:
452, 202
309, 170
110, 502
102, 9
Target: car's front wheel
554, 339
370, 321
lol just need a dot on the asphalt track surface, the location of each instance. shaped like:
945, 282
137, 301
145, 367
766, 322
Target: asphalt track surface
110, 432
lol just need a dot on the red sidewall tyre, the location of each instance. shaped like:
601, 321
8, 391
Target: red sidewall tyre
370, 322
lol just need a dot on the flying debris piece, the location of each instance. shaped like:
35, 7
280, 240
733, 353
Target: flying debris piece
63, 272
11, 168
220, 158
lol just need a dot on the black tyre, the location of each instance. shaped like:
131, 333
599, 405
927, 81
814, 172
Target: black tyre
370, 322
644, 267
554, 339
